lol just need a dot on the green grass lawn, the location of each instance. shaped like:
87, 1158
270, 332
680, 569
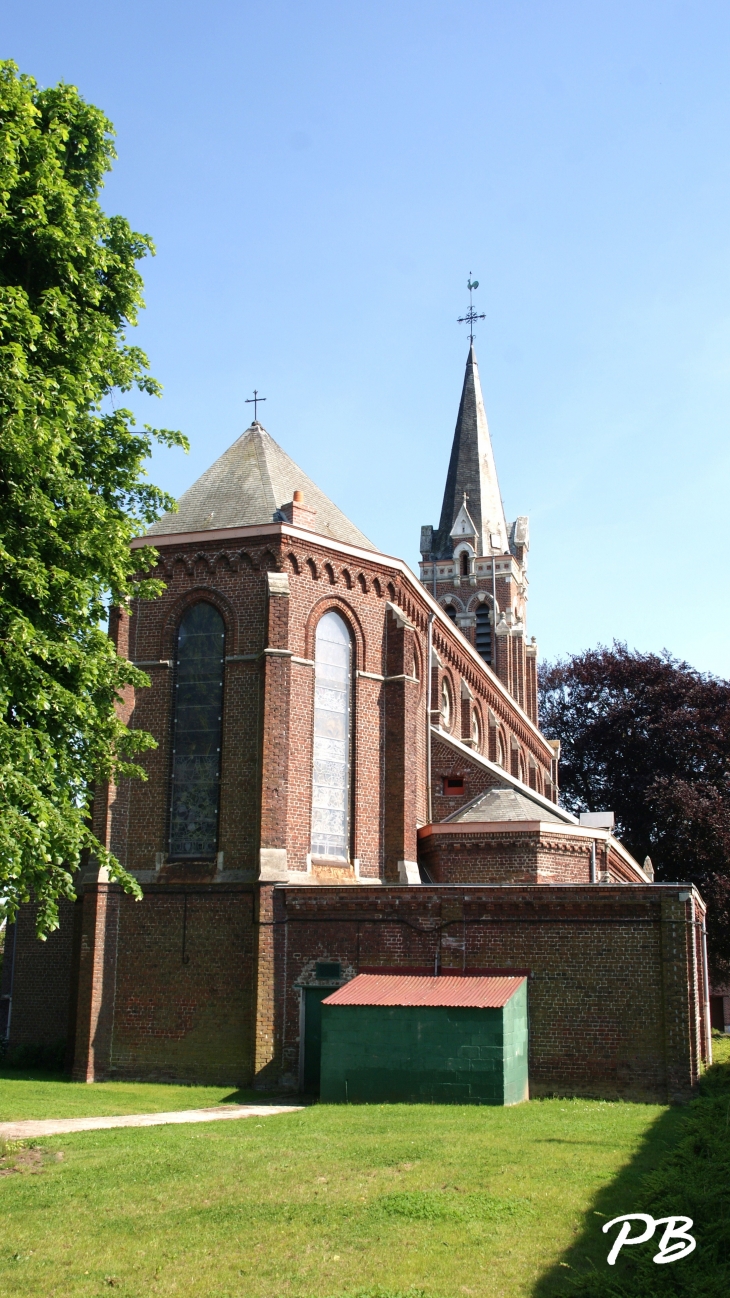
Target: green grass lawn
43, 1095
332, 1201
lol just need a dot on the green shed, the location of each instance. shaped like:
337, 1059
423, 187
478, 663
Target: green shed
400, 1038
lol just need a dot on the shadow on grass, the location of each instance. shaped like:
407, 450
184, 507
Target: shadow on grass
32, 1075
247, 1096
682, 1168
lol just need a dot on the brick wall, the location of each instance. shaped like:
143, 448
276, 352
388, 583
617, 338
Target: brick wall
38, 976
167, 986
610, 968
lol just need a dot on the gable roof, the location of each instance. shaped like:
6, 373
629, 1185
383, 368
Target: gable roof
247, 486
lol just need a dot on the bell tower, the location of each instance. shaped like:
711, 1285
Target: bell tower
474, 562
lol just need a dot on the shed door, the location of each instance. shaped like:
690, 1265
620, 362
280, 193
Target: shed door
313, 997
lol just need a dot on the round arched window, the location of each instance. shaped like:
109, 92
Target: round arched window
445, 704
196, 743
475, 731
499, 750
331, 765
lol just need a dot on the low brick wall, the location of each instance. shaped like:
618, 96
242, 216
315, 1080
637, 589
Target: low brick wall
609, 967
38, 980
205, 983
166, 986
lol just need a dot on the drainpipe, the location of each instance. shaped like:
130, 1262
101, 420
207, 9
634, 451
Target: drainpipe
429, 684
593, 860
12, 979
706, 988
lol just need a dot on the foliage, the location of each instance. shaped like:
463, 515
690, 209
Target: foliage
648, 737
73, 492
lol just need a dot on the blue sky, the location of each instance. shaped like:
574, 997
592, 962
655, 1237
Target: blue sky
320, 178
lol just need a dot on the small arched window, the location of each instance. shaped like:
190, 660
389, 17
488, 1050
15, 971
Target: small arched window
498, 749
476, 735
331, 759
464, 563
484, 633
446, 703
197, 728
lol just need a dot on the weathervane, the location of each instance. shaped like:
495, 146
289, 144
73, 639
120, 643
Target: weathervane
254, 401
471, 314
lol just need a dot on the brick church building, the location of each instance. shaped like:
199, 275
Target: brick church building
350, 777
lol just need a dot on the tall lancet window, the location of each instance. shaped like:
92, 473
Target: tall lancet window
484, 633
331, 767
196, 744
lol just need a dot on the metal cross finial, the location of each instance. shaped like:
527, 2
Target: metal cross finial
471, 314
254, 400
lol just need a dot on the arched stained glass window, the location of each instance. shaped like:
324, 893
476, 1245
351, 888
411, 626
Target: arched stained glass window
484, 632
196, 744
331, 765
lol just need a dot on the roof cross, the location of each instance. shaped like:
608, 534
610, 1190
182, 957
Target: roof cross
254, 400
471, 314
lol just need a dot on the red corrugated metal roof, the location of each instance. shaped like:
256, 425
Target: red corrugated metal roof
408, 989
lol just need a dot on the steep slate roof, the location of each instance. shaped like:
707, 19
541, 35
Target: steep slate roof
246, 486
472, 470
503, 803
412, 989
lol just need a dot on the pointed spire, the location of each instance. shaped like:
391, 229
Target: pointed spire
472, 472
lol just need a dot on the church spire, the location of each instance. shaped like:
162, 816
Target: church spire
471, 482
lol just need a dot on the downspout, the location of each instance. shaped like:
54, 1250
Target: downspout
429, 685
12, 979
706, 988
593, 860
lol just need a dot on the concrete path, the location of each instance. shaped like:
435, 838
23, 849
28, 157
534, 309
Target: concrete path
60, 1126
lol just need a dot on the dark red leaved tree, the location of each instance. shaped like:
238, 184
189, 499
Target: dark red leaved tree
648, 737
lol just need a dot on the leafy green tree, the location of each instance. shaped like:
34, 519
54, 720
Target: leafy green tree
648, 737
73, 490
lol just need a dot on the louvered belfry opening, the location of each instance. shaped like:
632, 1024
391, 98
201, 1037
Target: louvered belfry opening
197, 728
484, 633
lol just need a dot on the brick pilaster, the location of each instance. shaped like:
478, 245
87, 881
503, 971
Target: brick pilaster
265, 1016
400, 774
276, 702
97, 971
678, 994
